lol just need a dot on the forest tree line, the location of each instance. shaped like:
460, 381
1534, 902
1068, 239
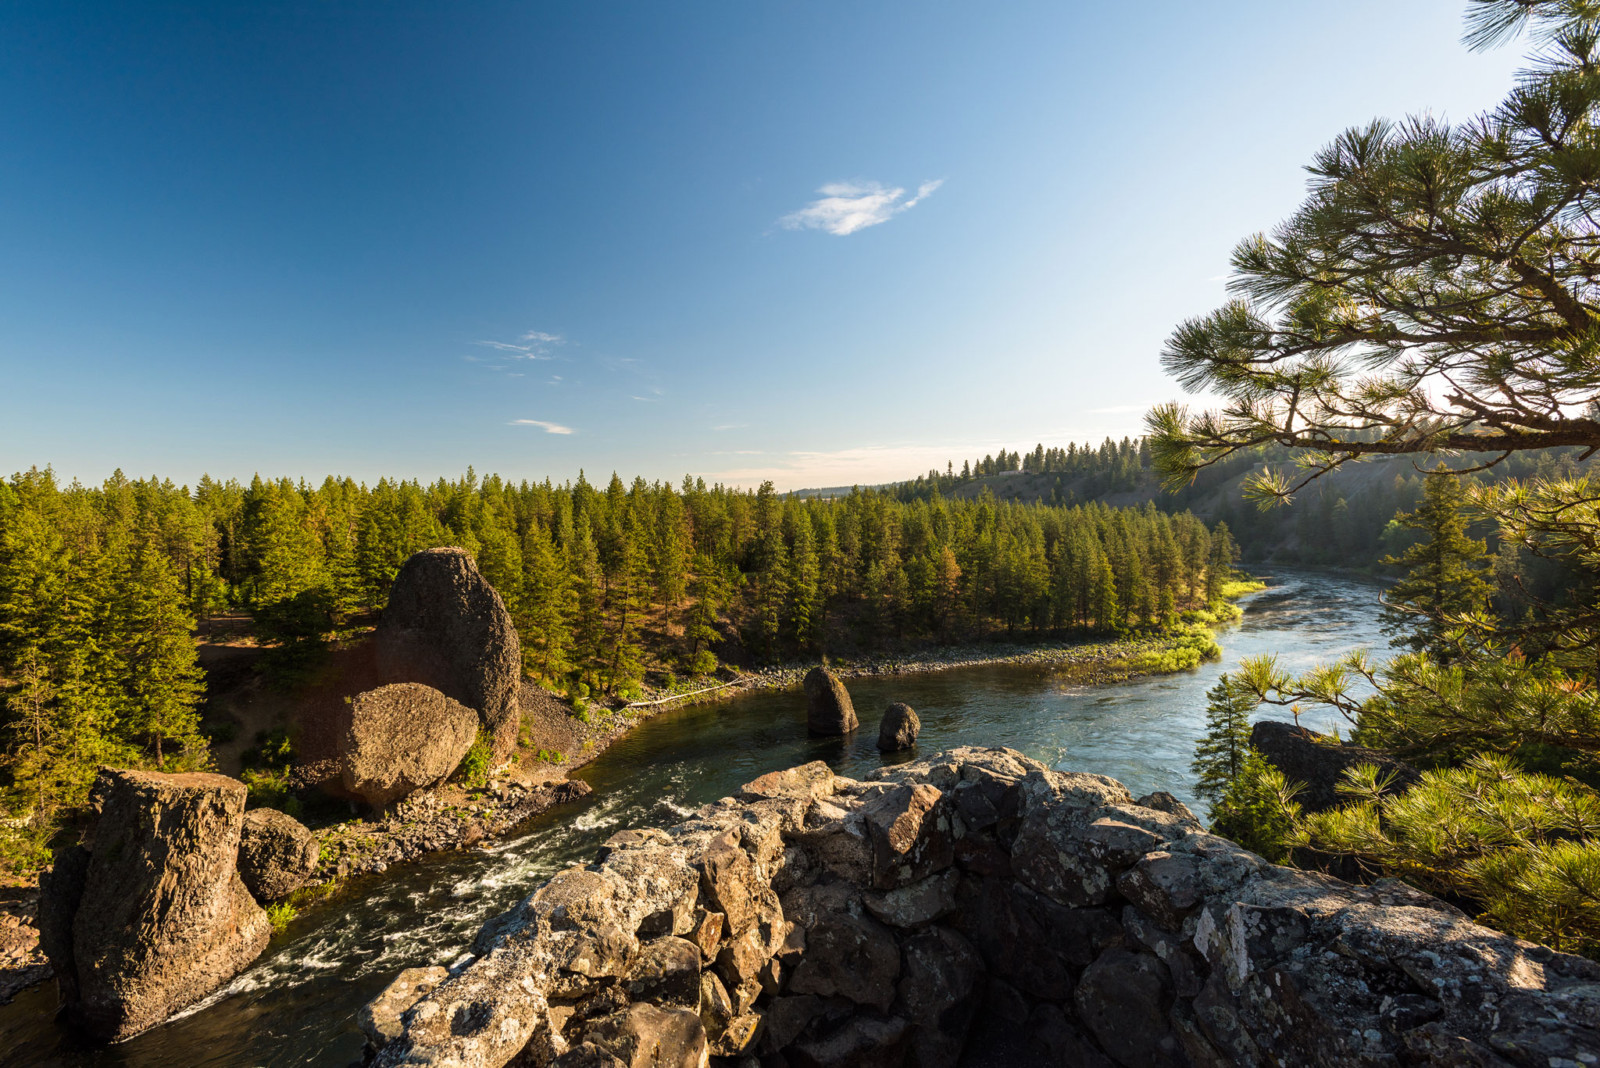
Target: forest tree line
1344, 521
100, 587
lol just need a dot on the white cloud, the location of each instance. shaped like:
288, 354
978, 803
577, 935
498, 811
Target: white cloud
846, 207
534, 345
548, 428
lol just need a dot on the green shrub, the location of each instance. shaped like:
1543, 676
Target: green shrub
24, 848
280, 914
473, 772
1258, 810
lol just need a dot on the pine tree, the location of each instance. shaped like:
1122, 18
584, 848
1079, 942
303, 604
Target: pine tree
161, 674
1219, 756
1444, 578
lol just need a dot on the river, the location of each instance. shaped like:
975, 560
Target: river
297, 1004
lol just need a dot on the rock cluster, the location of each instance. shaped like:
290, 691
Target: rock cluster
399, 738
1318, 761
950, 905
898, 729
150, 915
277, 854
446, 627
828, 707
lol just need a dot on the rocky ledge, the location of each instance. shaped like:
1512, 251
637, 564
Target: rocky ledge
977, 908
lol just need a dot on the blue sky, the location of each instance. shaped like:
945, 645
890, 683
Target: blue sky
820, 243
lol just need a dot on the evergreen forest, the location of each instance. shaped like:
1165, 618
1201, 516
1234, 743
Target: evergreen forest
101, 588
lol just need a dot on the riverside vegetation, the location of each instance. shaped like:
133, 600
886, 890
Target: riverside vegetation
1435, 295
100, 588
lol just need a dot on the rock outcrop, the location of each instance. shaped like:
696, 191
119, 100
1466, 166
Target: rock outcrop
828, 707
950, 906
277, 854
400, 738
1319, 761
151, 916
898, 729
446, 627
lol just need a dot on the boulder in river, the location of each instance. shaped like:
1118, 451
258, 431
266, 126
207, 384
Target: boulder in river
161, 918
446, 627
899, 728
400, 738
277, 854
828, 707
1319, 761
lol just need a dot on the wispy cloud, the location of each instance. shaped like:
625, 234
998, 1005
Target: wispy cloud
731, 426
534, 345
846, 207
548, 428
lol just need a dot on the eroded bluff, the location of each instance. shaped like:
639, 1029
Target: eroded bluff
977, 908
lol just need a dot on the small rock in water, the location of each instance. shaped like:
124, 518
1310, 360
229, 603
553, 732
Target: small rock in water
828, 707
899, 728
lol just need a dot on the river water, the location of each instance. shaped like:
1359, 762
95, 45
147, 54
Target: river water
297, 1004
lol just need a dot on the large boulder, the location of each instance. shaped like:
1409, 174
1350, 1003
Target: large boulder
400, 738
1319, 761
161, 918
898, 729
277, 854
828, 707
446, 627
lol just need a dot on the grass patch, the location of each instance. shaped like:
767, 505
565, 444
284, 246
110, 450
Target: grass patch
280, 914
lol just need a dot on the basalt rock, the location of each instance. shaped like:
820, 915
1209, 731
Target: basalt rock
400, 738
821, 921
828, 707
898, 729
153, 917
446, 627
277, 854
1319, 761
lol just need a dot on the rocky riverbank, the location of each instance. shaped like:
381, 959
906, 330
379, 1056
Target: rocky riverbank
22, 962
976, 908
432, 821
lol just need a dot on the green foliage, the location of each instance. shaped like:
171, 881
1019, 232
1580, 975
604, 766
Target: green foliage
265, 772
1522, 845
1187, 650
1257, 809
1444, 572
473, 772
1219, 757
280, 914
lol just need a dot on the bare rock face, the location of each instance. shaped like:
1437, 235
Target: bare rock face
380, 1018
277, 854
1319, 760
400, 738
898, 729
819, 921
446, 627
161, 918
828, 707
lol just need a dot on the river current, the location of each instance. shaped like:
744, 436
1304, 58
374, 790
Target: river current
297, 1004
